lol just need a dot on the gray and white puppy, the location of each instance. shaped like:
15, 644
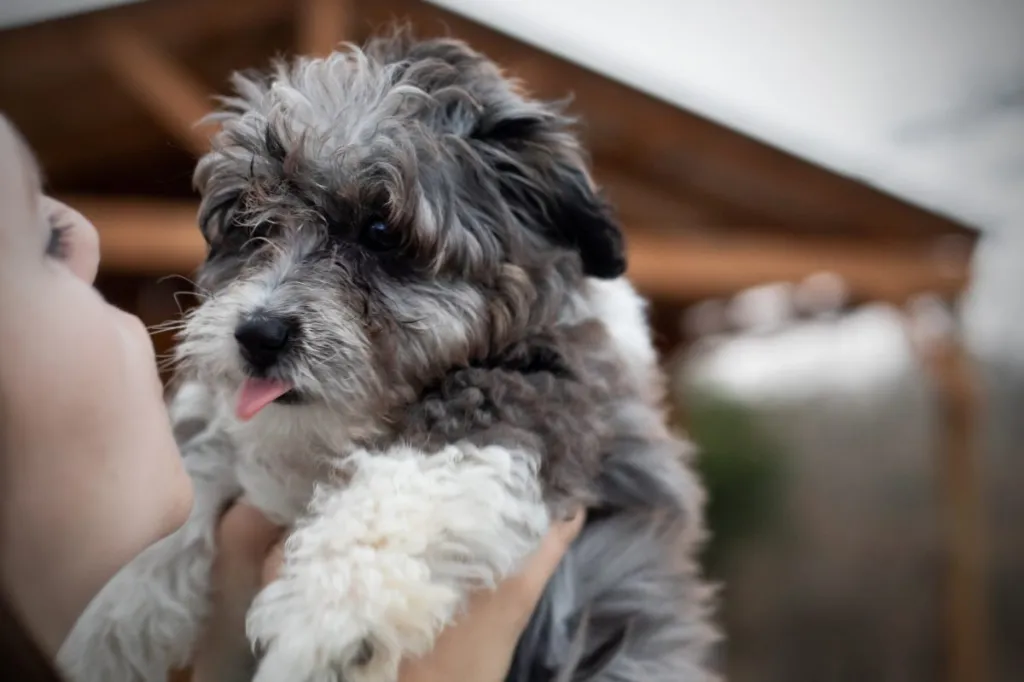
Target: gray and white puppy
416, 349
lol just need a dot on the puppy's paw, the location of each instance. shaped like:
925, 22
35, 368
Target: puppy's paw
135, 630
289, 659
356, 592
347, 617
381, 566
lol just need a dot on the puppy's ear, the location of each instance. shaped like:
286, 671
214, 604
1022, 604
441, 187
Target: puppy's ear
543, 175
581, 218
531, 151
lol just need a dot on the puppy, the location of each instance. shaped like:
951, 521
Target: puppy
416, 350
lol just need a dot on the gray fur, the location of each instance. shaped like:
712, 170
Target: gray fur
629, 579
471, 328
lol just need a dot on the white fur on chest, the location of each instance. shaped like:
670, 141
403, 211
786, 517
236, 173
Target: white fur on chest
282, 454
275, 482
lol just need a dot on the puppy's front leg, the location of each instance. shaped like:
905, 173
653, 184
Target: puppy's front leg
145, 621
382, 565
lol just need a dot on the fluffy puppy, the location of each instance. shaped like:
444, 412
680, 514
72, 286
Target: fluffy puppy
416, 348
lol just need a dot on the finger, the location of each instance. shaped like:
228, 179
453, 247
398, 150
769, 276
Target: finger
246, 535
244, 538
545, 560
494, 621
272, 564
521, 593
569, 529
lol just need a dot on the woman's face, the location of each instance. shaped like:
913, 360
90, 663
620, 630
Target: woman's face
90, 470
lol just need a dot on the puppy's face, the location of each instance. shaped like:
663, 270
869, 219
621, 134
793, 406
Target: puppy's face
379, 216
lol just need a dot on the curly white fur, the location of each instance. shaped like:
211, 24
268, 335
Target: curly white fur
382, 564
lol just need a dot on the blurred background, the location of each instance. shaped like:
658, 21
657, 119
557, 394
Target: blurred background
824, 203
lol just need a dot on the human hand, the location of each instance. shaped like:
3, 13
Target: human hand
477, 648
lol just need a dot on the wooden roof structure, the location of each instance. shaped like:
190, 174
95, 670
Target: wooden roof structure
109, 100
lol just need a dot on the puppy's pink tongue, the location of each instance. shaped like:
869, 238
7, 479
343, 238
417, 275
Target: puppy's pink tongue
257, 394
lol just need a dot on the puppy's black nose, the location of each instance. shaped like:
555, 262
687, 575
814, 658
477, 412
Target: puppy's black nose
262, 339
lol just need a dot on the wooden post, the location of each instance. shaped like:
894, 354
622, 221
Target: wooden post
962, 499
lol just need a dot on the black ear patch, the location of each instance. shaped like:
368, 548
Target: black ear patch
541, 175
583, 220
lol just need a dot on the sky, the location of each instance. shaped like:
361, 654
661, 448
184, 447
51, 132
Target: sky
903, 93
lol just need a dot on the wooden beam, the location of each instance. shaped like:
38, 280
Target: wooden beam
171, 95
636, 200
323, 25
681, 266
46, 52
669, 264
959, 465
79, 120
144, 236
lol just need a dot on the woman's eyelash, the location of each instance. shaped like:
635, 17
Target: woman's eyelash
57, 245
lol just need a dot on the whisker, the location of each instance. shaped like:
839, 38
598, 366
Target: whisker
196, 294
164, 327
167, 362
203, 296
183, 278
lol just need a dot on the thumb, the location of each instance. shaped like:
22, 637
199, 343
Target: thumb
245, 535
525, 588
244, 539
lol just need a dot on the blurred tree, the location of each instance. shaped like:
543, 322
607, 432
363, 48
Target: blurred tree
742, 470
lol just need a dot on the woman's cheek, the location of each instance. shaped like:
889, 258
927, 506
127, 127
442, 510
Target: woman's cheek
87, 416
155, 448
60, 369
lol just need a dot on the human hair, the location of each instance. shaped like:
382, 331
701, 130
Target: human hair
21, 657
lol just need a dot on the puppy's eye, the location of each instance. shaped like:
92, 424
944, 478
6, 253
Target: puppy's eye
219, 219
380, 236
